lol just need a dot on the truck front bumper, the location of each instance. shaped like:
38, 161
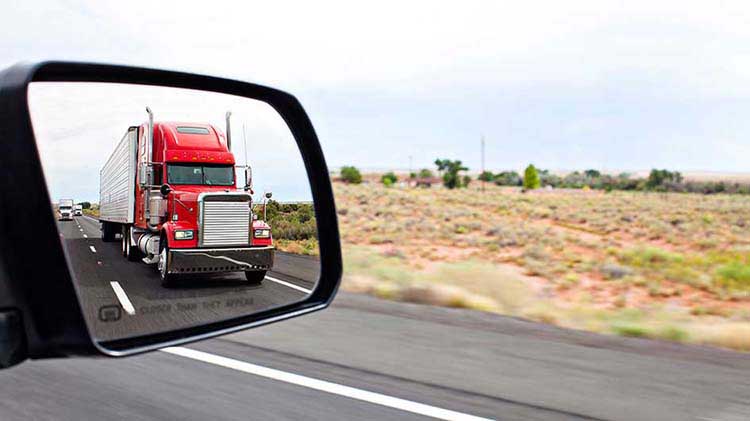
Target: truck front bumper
220, 260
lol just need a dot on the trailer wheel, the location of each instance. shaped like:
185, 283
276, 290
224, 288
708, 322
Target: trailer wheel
255, 276
167, 279
133, 254
108, 232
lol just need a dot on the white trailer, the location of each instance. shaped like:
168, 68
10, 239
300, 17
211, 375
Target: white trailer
117, 182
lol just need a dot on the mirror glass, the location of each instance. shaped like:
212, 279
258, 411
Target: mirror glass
175, 207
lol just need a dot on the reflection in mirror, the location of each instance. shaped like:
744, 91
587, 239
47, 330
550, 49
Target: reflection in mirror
163, 199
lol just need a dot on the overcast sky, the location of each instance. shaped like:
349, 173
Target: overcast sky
620, 85
78, 125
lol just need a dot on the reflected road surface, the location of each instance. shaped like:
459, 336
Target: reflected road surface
123, 298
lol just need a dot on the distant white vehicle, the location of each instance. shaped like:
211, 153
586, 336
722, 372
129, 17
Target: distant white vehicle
77, 210
65, 210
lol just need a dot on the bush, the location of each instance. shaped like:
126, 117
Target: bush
531, 178
425, 173
508, 178
486, 176
389, 179
451, 176
85, 205
735, 276
351, 175
290, 221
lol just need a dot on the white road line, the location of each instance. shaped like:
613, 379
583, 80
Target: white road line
123, 298
85, 236
324, 386
289, 284
93, 250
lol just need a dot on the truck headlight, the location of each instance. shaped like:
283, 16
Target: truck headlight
262, 233
183, 235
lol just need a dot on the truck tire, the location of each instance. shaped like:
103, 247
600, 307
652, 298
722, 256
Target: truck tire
255, 276
108, 232
132, 253
167, 279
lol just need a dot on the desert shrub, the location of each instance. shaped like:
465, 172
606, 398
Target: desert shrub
734, 276
508, 178
389, 179
486, 176
425, 173
290, 221
531, 178
351, 175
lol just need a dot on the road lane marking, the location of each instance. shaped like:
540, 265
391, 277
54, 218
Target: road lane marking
323, 386
93, 250
289, 284
85, 236
123, 298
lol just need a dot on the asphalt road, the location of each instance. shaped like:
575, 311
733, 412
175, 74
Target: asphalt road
417, 359
123, 299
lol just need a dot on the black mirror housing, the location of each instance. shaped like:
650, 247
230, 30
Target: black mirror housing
39, 301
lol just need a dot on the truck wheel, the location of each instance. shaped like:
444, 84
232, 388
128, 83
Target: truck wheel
255, 276
108, 232
130, 252
167, 279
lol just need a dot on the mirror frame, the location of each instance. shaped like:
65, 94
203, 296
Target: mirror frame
43, 293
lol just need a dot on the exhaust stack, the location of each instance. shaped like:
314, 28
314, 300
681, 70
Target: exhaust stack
150, 142
229, 132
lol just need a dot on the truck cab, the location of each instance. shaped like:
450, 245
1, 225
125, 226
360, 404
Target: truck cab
65, 210
188, 213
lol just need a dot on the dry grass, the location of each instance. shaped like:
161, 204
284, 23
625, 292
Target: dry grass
584, 259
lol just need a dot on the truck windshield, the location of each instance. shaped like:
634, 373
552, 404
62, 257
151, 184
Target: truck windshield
211, 175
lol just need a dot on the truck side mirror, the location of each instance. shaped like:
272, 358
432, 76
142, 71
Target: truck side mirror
146, 174
248, 178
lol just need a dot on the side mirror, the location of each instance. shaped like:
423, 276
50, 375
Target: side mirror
248, 178
67, 306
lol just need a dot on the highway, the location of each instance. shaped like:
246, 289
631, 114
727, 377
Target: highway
123, 298
366, 358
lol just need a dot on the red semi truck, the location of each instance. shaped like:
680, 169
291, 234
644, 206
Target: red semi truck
169, 189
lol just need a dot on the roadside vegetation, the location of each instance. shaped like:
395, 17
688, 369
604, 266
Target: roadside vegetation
293, 226
645, 262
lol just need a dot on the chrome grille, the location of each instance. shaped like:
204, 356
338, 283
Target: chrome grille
225, 222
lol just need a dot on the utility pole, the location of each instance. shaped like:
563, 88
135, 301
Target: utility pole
482, 148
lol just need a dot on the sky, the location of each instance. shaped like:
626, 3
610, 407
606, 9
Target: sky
612, 85
78, 125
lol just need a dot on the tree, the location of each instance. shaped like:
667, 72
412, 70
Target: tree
508, 178
659, 179
351, 175
466, 181
592, 173
389, 179
531, 178
451, 169
85, 205
486, 176
425, 173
